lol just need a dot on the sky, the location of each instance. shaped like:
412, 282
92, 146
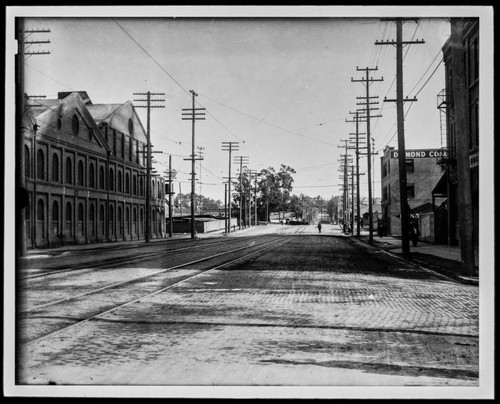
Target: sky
279, 84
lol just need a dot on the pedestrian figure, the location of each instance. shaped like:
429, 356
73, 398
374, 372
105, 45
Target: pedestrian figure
319, 227
414, 232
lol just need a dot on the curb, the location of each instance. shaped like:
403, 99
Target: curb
425, 265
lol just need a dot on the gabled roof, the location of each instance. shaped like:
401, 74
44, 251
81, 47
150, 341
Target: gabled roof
45, 112
101, 111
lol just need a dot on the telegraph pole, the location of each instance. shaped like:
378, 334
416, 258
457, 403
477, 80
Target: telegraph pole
230, 147
357, 147
148, 105
241, 160
403, 193
251, 173
367, 81
225, 208
193, 114
200, 154
352, 201
346, 186
171, 176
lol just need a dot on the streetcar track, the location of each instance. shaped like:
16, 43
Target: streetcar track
137, 279
110, 262
203, 271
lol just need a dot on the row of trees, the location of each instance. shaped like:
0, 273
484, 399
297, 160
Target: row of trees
274, 195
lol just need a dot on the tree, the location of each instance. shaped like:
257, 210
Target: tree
275, 189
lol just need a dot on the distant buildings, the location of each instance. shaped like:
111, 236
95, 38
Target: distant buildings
85, 172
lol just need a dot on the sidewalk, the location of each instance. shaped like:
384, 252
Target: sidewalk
440, 258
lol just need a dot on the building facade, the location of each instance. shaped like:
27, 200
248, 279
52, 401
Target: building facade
422, 175
85, 173
461, 108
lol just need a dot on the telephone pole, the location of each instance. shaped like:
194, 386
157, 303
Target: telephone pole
403, 193
148, 105
357, 147
250, 174
193, 114
230, 147
171, 175
200, 154
367, 81
241, 160
345, 199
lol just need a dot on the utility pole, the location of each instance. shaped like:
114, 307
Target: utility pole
403, 192
241, 160
352, 201
346, 186
357, 147
251, 173
367, 81
21, 194
230, 147
148, 105
171, 176
200, 154
193, 114
225, 209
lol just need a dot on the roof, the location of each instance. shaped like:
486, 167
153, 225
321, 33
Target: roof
101, 111
424, 208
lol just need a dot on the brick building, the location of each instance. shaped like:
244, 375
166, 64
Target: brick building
84, 168
422, 173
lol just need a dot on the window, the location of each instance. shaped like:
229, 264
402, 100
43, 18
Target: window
40, 213
385, 169
130, 149
120, 182
114, 142
410, 165
75, 125
134, 185
91, 176
80, 173
27, 165
40, 165
410, 191
55, 167
130, 127
141, 186
127, 183
68, 212
102, 184
80, 212
137, 152
59, 124
69, 171
55, 212
122, 146
111, 180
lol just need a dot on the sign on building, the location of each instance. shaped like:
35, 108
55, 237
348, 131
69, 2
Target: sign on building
422, 154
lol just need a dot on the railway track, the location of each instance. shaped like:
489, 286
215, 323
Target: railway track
56, 316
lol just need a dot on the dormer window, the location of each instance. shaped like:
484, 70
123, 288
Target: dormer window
130, 127
75, 125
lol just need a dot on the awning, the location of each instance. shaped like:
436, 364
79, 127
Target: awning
441, 188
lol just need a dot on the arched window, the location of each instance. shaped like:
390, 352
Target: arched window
69, 171
92, 219
127, 183
40, 213
75, 125
127, 219
101, 218
80, 212
69, 219
134, 185
27, 162
111, 180
153, 189
102, 184
111, 219
141, 186
135, 220
120, 220
55, 212
80, 173
91, 176
55, 167
69, 214
40, 165
120, 183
